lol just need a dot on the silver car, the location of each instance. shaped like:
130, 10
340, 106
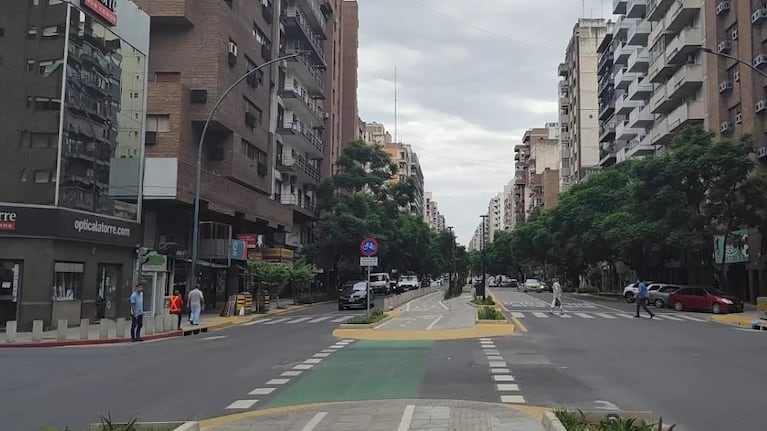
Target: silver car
658, 293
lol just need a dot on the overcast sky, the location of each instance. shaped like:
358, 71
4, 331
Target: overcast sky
472, 77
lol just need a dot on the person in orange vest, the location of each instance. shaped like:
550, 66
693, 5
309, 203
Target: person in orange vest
175, 305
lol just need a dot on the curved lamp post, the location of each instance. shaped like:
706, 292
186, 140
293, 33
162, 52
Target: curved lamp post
732, 57
196, 221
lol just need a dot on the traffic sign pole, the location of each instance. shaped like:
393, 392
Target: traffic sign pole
368, 294
368, 248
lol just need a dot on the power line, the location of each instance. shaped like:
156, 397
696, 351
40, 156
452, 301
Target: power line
463, 160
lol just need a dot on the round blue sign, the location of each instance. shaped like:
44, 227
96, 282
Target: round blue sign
369, 247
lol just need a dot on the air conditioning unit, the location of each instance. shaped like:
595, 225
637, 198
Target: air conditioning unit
759, 60
722, 6
250, 120
758, 15
761, 152
734, 34
724, 46
725, 127
738, 118
736, 76
150, 138
725, 85
198, 96
231, 58
761, 105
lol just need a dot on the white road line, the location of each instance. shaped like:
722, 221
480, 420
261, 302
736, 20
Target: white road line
336, 346
320, 319
606, 316
489, 345
341, 319
499, 371
598, 305
277, 381
510, 387
313, 361
328, 351
431, 325
217, 337
694, 319
347, 341
503, 378
485, 339
495, 358
565, 316
674, 318
443, 305
280, 320
492, 352
517, 314
541, 315
625, 316
262, 391
303, 367
256, 322
407, 418
291, 373
497, 364
513, 399
299, 320
584, 315
314, 421
321, 355
241, 404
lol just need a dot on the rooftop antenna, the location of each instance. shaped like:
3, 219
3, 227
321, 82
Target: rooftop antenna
396, 107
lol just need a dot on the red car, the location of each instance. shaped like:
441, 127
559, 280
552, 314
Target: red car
704, 299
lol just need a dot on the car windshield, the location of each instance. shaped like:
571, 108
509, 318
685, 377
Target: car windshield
532, 281
361, 286
377, 277
714, 291
410, 278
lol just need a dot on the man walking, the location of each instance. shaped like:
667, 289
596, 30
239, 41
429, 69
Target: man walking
195, 299
175, 305
556, 301
642, 298
137, 313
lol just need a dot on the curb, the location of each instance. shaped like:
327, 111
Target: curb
550, 422
62, 343
223, 325
368, 325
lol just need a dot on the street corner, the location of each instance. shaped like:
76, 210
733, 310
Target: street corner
480, 330
741, 320
231, 421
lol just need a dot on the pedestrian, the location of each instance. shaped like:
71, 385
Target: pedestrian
195, 300
556, 301
137, 313
643, 298
175, 305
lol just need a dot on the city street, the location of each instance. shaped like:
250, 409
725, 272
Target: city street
598, 355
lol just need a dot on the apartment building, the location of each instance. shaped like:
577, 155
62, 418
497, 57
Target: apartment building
409, 166
677, 67
432, 216
508, 205
376, 134
542, 162
479, 239
72, 105
578, 105
495, 216
350, 23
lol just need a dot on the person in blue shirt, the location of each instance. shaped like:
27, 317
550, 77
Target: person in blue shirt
642, 298
137, 313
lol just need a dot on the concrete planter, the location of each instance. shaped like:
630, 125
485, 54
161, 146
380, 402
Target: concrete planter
481, 306
366, 325
550, 421
155, 426
503, 321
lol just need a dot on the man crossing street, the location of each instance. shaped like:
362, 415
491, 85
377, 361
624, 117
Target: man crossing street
642, 299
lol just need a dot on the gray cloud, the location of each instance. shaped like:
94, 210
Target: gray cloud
472, 77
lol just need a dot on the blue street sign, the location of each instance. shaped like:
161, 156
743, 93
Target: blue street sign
238, 250
369, 247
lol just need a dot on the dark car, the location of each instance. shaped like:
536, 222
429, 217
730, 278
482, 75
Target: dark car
704, 299
355, 296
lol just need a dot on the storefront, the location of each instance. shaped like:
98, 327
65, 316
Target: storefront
57, 263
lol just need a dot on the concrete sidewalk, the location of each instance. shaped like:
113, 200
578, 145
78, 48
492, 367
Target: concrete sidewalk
388, 415
75, 336
743, 320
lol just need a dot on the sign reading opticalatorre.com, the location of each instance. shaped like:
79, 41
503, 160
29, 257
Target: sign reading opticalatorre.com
52, 222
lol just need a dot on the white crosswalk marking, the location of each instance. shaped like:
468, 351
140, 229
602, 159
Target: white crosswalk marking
283, 319
539, 314
299, 320
666, 316
584, 315
625, 316
320, 319
694, 319
342, 319
606, 316
256, 322
517, 315
566, 316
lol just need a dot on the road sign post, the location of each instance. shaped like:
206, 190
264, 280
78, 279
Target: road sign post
369, 249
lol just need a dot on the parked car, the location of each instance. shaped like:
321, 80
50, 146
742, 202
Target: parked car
532, 284
408, 282
630, 291
380, 283
355, 296
513, 283
659, 295
704, 299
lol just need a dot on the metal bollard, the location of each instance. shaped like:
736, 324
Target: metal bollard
104, 329
10, 331
121, 327
85, 327
61, 329
37, 330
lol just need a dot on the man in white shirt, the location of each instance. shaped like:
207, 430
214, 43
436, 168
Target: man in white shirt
556, 301
195, 301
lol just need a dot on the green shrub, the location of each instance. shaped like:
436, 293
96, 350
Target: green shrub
489, 313
487, 301
576, 421
373, 317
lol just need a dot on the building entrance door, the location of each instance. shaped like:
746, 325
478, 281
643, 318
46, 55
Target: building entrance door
10, 286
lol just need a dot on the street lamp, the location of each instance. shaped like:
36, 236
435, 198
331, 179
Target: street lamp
732, 57
452, 259
196, 221
484, 246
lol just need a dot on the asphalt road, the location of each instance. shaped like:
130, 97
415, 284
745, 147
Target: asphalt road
431, 312
702, 375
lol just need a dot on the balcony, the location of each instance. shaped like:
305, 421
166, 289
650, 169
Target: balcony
313, 12
619, 7
310, 75
563, 70
294, 164
681, 14
297, 27
606, 108
636, 8
300, 101
641, 118
639, 90
660, 69
639, 147
623, 106
639, 33
639, 61
622, 53
605, 83
625, 133
171, 12
660, 104
687, 42
656, 9
607, 159
624, 78
301, 136
690, 113
301, 204
607, 130
685, 82
564, 118
604, 61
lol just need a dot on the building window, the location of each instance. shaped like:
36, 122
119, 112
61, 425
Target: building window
42, 140
68, 281
158, 123
23, 176
252, 114
52, 31
42, 176
259, 35
31, 32
232, 47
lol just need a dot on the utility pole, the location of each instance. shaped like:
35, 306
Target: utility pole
484, 246
452, 258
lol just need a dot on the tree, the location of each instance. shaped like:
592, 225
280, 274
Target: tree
274, 275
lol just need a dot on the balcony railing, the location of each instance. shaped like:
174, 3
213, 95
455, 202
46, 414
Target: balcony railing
301, 164
293, 14
296, 200
307, 132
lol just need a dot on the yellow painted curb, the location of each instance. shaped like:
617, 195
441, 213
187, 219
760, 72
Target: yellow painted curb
514, 320
534, 411
477, 331
212, 423
739, 319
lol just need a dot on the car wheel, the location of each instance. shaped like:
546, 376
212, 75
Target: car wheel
716, 308
659, 303
679, 306
629, 297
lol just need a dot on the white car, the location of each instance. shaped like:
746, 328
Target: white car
408, 282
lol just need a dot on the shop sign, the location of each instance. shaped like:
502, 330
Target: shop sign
155, 263
735, 250
103, 8
239, 250
8, 220
250, 239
